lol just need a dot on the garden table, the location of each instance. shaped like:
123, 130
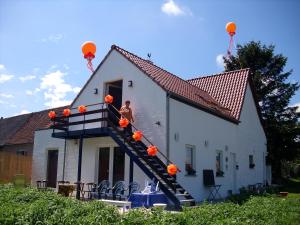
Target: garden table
66, 189
147, 200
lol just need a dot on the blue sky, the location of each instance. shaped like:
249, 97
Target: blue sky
41, 63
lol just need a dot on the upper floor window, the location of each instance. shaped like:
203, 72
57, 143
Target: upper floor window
219, 163
251, 162
190, 160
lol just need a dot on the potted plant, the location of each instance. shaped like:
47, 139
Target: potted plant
189, 169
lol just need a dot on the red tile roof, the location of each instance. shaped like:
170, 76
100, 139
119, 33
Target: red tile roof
227, 88
33, 122
177, 86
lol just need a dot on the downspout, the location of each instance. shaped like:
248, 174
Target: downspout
63, 175
168, 125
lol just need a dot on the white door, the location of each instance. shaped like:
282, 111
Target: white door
232, 171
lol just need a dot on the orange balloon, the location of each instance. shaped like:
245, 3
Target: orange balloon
82, 109
67, 112
172, 169
108, 99
88, 49
152, 150
230, 28
52, 114
123, 122
137, 135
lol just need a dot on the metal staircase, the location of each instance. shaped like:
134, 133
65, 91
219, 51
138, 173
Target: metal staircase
152, 166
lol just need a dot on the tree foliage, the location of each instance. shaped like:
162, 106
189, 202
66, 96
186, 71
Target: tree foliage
273, 93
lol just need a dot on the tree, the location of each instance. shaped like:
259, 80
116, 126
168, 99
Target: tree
273, 93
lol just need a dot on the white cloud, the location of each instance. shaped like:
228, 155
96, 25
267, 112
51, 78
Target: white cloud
29, 92
5, 77
28, 77
7, 104
24, 111
220, 60
76, 90
297, 104
32, 92
55, 89
36, 69
2, 67
6, 95
66, 66
53, 38
172, 9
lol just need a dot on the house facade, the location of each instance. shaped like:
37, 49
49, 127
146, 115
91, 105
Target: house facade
191, 122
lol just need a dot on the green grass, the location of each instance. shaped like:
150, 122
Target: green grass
29, 206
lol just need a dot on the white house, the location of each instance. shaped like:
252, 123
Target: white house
205, 123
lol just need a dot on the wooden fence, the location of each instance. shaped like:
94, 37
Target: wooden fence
12, 164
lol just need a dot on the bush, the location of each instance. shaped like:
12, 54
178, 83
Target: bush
29, 206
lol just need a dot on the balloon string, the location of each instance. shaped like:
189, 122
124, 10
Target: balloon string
90, 65
230, 46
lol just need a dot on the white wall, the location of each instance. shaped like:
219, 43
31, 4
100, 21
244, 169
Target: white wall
42, 143
148, 100
90, 158
251, 140
194, 127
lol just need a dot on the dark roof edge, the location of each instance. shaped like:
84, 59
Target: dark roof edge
137, 66
203, 108
116, 48
24, 143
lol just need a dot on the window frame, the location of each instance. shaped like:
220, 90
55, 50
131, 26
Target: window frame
220, 172
192, 149
251, 161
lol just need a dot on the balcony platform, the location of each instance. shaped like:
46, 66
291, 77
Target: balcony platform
86, 133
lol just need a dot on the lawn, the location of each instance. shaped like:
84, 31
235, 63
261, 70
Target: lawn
29, 206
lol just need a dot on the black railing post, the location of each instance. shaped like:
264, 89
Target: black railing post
79, 167
130, 171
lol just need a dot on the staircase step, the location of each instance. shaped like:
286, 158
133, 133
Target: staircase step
187, 200
184, 194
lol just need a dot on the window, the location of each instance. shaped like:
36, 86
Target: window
190, 160
251, 162
219, 163
21, 152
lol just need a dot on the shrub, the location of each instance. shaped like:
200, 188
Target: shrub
29, 206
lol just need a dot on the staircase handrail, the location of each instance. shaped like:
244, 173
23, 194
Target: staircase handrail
162, 154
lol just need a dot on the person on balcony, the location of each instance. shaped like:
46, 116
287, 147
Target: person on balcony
126, 112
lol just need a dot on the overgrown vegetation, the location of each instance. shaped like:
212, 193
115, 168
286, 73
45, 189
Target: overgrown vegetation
29, 206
